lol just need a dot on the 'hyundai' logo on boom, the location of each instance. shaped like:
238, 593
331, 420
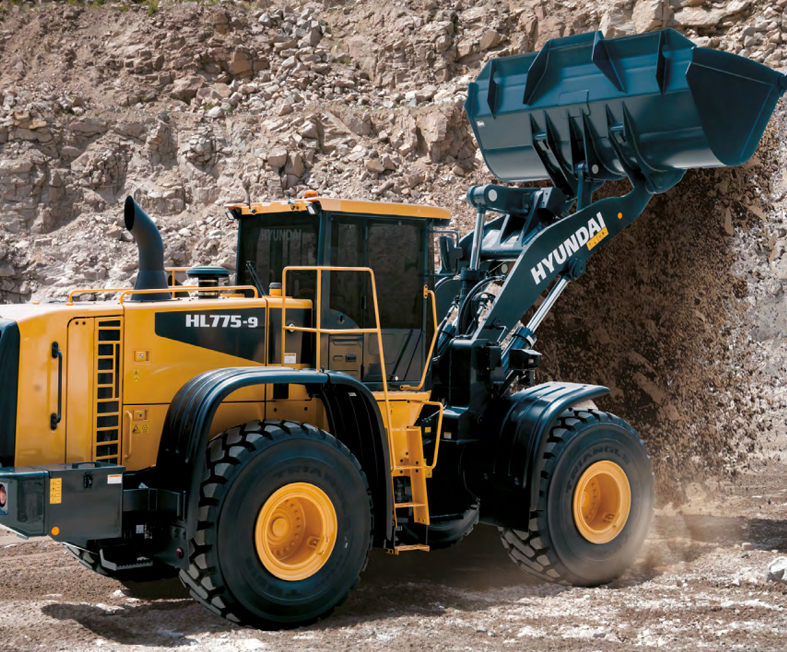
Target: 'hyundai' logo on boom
595, 232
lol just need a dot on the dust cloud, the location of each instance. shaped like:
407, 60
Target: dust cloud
662, 318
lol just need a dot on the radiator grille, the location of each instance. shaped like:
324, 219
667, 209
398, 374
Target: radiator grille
106, 444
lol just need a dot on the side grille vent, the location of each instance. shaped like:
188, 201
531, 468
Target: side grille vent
106, 444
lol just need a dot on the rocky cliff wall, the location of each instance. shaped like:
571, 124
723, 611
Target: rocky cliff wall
188, 105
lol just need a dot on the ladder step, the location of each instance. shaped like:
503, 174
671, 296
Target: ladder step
415, 546
403, 505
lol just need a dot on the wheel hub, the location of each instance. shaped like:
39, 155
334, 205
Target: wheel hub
602, 502
296, 531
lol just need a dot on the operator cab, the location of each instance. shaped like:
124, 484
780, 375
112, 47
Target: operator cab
394, 240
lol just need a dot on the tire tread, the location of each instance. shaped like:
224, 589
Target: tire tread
532, 549
227, 451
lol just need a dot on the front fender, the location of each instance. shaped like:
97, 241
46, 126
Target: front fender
523, 437
352, 411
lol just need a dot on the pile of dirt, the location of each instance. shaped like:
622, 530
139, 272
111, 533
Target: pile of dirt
188, 105
683, 318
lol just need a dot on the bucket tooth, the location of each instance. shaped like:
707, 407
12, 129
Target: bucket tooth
661, 64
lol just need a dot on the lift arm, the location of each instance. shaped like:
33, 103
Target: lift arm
582, 111
559, 250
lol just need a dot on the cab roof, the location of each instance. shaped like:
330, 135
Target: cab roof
333, 205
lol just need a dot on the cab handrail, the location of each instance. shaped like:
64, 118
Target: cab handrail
319, 331
427, 293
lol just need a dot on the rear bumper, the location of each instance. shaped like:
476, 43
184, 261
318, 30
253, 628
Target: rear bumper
69, 502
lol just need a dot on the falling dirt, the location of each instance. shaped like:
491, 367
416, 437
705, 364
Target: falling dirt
670, 318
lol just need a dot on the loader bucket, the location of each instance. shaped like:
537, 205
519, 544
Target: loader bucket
653, 103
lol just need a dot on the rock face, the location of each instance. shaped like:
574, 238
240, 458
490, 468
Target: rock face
777, 569
649, 15
199, 104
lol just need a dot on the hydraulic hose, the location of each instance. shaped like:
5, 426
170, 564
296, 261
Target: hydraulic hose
479, 286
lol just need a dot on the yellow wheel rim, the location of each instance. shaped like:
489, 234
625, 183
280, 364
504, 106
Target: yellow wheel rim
296, 531
602, 502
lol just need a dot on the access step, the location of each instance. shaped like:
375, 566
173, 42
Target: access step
416, 546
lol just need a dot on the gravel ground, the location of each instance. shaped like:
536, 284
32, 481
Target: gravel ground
701, 582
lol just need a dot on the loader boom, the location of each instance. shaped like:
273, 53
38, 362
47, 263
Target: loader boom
580, 112
559, 250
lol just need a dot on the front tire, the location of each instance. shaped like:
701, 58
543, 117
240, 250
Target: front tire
595, 503
251, 561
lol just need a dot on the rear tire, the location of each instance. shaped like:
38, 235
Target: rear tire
553, 547
235, 571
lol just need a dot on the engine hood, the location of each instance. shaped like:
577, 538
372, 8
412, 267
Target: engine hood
23, 313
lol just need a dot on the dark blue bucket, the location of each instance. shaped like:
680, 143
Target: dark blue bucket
586, 106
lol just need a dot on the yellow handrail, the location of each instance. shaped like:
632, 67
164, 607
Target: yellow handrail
173, 289
319, 331
427, 292
128, 419
174, 270
438, 434
193, 288
73, 293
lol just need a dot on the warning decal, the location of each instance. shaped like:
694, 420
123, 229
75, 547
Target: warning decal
598, 237
55, 491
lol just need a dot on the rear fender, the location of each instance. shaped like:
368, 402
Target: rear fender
353, 416
525, 430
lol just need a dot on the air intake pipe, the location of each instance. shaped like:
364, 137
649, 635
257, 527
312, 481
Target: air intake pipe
151, 274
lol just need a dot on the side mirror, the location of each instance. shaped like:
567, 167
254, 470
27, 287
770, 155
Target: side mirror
450, 254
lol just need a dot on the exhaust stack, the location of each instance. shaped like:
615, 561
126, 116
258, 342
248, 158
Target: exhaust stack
151, 274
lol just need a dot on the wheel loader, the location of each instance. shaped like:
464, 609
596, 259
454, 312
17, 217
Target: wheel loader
258, 436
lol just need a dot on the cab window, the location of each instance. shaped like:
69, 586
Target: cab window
273, 242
